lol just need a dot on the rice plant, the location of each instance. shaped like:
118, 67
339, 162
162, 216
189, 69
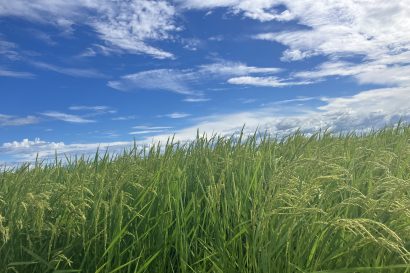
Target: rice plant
319, 203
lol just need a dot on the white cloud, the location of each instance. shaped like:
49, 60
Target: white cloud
297, 100
74, 72
25, 143
191, 44
97, 110
363, 111
162, 79
123, 25
127, 25
7, 120
324, 40
145, 132
293, 54
235, 69
151, 130
66, 117
122, 118
196, 99
216, 38
375, 72
176, 115
15, 74
88, 52
376, 33
96, 49
144, 127
262, 10
87, 108
8, 49
27, 150
265, 81
185, 81
42, 36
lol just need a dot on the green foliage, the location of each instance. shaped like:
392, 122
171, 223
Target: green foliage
322, 203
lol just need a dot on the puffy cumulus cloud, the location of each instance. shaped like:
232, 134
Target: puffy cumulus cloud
25, 143
28, 150
125, 26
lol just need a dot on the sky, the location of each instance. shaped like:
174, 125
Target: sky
85, 74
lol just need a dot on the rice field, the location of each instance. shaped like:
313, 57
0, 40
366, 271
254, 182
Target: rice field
321, 203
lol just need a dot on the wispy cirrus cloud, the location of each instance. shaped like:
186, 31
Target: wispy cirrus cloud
8, 120
97, 49
230, 68
186, 81
149, 130
15, 74
146, 132
41, 36
86, 113
364, 111
267, 81
151, 127
176, 115
93, 110
66, 117
375, 72
177, 81
69, 71
8, 49
88, 108
124, 118
196, 99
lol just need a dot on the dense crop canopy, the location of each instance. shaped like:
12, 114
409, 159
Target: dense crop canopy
249, 204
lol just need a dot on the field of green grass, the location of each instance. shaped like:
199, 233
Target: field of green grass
323, 203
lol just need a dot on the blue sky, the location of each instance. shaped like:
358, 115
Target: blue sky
77, 75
